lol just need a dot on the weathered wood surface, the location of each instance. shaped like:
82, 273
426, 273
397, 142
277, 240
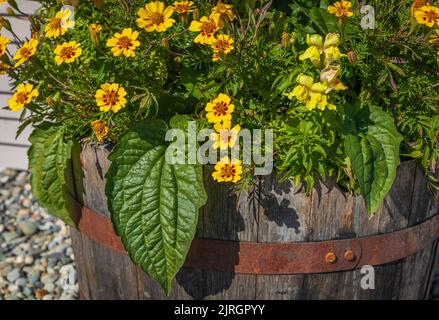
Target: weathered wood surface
270, 213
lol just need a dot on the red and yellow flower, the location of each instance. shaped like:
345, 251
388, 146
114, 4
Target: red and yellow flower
427, 15
434, 38
100, 129
182, 7
155, 16
59, 24
124, 43
4, 41
24, 95
25, 52
67, 52
228, 170
207, 27
341, 9
225, 136
220, 109
224, 11
222, 45
111, 97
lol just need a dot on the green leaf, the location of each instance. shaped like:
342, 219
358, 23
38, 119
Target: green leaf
325, 21
180, 121
372, 143
48, 158
154, 205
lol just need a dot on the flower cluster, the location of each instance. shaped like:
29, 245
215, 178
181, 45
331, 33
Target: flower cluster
209, 26
155, 16
315, 94
428, 15
219, 112
329, 50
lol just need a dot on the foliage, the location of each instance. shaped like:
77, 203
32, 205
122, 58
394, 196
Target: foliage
344, 101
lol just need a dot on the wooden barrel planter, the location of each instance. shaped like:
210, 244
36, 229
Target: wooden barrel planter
274, 243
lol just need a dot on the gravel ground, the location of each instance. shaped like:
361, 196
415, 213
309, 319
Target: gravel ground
36, 258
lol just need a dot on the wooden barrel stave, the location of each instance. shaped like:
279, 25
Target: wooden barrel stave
272, 213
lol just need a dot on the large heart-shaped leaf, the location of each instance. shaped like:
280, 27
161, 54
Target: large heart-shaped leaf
48, 158
372, 143
154, 205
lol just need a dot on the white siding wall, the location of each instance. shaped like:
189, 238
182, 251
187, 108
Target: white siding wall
13, 152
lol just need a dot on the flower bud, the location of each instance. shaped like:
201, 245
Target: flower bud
332, 40
314, 40
285, 40
94, 33
165, 43
196, 14
352, 56
320, 87
305, 80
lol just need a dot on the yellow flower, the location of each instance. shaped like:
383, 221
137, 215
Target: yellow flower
314, 94
313, 54
226, 136
3, 44
58, 25
315, 43
111, 97
303, 90
67, 52
331, 40
223, 44
228, 171
96, 28
341, 9
100, 129
224, 10
428, 15
434, 38
25, 52
319, 99
155, 17
124, 43
331, 50
418, 4
332, 54
23, 96
220, 109
207, 28
183, 6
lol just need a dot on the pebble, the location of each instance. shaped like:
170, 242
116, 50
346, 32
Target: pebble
13, 275
36, 257
28, 227
9, 236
